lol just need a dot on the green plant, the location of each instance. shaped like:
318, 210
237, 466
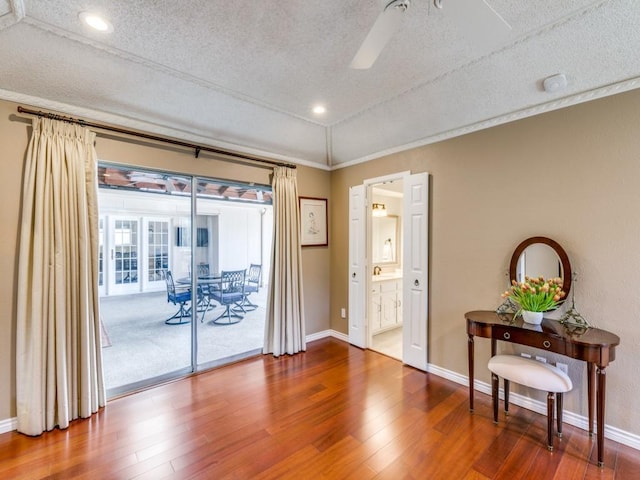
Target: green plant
536, 294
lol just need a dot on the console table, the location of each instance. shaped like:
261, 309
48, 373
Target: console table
592, 345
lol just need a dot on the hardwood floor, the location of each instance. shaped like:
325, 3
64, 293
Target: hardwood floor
332, 412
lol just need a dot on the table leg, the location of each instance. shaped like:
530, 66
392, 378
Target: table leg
602, 381
591, 384
470, 358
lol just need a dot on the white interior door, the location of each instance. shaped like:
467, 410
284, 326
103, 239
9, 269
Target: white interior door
415, 270
357, 270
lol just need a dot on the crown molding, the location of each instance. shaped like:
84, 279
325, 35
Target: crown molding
568, 101
582, 97
156, 129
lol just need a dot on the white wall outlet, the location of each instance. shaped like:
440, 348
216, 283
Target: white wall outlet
563, 367
541, 359
525, 355
343, 313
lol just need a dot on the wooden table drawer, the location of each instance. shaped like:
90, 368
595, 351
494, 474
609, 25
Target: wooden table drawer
535, 339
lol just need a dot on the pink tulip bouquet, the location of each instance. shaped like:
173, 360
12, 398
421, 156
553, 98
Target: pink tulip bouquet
536, 294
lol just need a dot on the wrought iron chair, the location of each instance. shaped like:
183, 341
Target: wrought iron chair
252, 285
177, 297
205, 289
203, 270
231, 292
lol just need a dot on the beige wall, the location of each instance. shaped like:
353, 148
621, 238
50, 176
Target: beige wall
13, 141
572, 175
14, 137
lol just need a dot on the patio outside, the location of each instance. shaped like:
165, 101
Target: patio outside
138, 347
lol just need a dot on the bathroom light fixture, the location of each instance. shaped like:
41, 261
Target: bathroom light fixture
379, 210
96, 22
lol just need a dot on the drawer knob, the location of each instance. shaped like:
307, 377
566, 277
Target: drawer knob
546, 344
507, 335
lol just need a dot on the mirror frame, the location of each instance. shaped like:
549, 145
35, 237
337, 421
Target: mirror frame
564, 259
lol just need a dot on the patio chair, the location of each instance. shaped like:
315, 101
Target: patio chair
204, 288
203, 270
252, 285
178, 298
231, 292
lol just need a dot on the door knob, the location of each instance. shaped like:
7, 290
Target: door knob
416, 282
353, 275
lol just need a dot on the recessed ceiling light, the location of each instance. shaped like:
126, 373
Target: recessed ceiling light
96, 22
319, 109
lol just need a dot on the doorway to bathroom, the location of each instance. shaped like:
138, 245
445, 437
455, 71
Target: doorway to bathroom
390, 295
385, 250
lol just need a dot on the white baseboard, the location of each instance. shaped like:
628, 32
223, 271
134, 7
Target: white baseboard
340, 336
8, 425
327, 333
616, 434
317, 336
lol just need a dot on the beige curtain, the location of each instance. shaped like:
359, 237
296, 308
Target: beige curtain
59, 360
284, 328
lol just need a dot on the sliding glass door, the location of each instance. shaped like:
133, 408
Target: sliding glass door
232, 258
163, 254
145, 328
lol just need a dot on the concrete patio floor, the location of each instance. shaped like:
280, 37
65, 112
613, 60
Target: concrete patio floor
140, 349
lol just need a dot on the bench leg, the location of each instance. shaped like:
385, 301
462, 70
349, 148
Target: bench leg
550, 398
494, 395
559, 413
506, 396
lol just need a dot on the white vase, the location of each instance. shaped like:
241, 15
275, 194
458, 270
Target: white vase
534, 318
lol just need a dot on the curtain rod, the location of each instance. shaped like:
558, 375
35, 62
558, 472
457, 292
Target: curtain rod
148, 136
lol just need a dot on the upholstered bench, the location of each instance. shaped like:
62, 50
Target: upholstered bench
533, 374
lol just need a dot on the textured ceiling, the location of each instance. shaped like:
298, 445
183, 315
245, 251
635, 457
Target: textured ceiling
248, 72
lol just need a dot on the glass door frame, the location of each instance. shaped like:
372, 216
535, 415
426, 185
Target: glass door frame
142, 249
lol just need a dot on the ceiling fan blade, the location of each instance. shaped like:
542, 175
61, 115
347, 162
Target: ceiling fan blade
386, 25
479, 22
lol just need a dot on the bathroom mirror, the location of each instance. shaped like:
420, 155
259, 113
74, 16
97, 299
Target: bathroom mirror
540, 256
384, 239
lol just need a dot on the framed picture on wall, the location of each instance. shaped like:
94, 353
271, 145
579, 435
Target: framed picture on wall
313, 222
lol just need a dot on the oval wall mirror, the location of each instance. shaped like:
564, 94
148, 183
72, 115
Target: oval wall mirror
541, 256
